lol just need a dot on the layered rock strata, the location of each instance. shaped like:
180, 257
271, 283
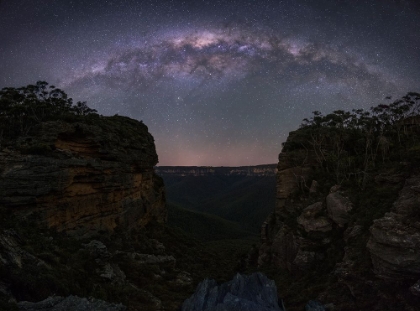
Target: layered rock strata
394, 243
83, 178
281, 247
367, 240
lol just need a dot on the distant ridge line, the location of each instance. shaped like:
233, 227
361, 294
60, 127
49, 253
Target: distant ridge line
249, 170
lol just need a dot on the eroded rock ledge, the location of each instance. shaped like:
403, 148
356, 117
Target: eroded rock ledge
394, 244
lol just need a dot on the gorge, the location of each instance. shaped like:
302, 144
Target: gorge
243, 196
87, 220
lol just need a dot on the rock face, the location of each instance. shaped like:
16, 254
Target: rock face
394, 244
314, 306
83, 178
293, 171
74, 303
105, 269
37, 271
243, 293
281, 246
338, 208
312, 222
11, 252
367, 239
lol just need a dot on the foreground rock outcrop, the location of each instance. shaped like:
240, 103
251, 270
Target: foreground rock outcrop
135, 271
84, 178
243, 293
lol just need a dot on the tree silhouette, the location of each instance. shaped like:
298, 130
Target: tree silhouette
22, 108
351, 144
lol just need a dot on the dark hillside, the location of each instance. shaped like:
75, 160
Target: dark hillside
203, 226
246, 200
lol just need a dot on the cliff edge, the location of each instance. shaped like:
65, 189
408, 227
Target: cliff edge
346, 225
83, 176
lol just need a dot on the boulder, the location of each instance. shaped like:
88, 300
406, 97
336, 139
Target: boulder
183, 279
105, 268
314, 305
97, 249
243, 293
338, 208
394, 248
320, 224
310, 220
335, 188
314, 187
304, 260
352, 232
415, 289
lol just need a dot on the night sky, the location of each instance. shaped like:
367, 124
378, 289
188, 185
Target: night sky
217, 82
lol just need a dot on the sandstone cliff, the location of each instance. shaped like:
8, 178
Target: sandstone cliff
394, 242
66, 182
83, 177
355, 247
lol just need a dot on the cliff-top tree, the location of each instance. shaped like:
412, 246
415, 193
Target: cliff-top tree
22, 108
349, 145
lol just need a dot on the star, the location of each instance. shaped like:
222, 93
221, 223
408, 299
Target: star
217, 83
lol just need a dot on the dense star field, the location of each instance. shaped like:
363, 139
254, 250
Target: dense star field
217, 82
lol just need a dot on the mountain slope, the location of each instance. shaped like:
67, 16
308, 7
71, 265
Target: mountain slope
204, 226
246, 200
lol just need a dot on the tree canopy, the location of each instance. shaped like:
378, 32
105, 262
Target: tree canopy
350, 144
22, 108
